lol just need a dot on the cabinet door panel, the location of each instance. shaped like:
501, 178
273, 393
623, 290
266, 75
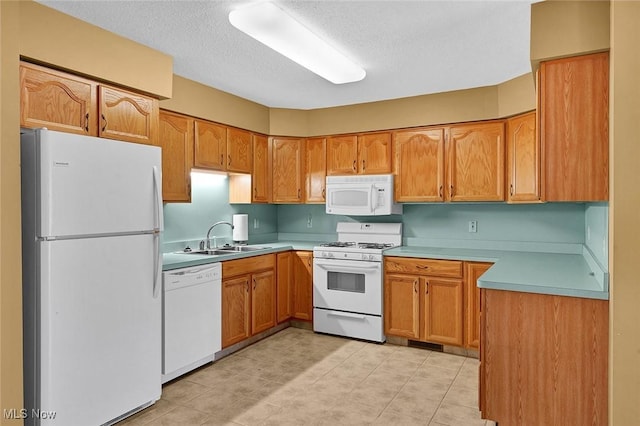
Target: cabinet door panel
473, 271
210, 149
236, 310
288, 169
443, 303
303, 289
263, 301
523, 159
239, 153
316, 170
342, 155
374, 153
284, 284
127, 116
402, 306
176, 141
476, 162
261, 176
419, 165
574, 128
57, 101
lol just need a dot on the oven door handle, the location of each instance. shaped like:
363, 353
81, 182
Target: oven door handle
337, 268
345, 315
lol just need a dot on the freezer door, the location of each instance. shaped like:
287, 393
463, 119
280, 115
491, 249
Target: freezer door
91, 186
100, 328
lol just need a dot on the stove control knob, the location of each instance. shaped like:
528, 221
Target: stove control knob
329, 254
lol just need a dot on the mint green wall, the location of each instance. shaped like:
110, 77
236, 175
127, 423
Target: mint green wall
596, 231
209, 204
548, 223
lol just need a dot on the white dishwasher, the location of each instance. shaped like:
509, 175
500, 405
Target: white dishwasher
191, 318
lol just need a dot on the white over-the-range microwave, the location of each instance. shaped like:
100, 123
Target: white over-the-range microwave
361, 195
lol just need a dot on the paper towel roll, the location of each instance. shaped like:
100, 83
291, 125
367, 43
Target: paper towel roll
240, 228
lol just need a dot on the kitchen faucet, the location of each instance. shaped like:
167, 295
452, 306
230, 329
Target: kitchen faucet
222, 222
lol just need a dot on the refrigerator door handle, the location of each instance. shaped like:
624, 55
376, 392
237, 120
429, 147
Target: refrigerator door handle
157, 265
157, 183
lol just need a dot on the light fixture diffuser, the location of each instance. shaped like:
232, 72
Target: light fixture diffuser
274, 28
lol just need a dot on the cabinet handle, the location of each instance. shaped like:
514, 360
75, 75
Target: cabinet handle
247, 286
323, 193
229, 157
104, 121
440, 192
255, 192
221, 159
422, 267
254, 283
415, 286
363, 166
451, 192
299, 193
511, 189
354, 165
426, 287
309, 261
86, 123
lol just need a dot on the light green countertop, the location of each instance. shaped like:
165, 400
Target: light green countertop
175, 260
562, 274
532, 272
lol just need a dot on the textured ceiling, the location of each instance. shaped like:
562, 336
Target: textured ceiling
408, 48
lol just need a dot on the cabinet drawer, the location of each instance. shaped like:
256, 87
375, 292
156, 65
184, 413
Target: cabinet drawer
412, 265
248, 265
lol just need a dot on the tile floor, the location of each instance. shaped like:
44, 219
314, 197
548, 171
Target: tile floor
296, 377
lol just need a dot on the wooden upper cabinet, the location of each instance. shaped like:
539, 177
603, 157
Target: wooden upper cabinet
261, 177
419, 165
239, 152
374, 153
176, 141
574, 128
359, 154
523, 159
127, 116
316, 169
210, 149
476, 162
342, 155
288, 170
57, 101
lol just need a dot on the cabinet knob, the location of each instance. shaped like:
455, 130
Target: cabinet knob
104, 122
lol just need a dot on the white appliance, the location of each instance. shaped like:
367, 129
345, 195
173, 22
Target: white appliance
91, 218
192, 318
348, 280
361, 195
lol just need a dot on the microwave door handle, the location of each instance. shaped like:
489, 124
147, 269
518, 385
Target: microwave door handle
372, 197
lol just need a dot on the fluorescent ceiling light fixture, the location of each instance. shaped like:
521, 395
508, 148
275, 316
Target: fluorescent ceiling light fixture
274, 28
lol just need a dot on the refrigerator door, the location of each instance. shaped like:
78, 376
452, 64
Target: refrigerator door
100, 328
93, 186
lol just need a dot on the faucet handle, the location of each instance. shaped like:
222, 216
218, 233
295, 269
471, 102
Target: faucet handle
201, 244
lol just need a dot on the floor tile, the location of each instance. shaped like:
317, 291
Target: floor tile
298, 377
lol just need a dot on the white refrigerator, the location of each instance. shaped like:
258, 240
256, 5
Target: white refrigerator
91, 218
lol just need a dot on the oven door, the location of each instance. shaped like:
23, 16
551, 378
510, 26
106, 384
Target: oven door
348, 285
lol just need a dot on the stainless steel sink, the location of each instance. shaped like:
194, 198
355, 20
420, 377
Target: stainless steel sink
223, 250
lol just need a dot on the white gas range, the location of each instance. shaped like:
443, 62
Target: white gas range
348, 277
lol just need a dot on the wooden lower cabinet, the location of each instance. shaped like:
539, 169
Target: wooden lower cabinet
236, 310
424, 300
472, 271
284, 286
303, 285
543, 359
248, 297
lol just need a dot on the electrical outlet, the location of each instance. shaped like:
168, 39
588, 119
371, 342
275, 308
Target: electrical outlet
256, 223
309, 221
473, 226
